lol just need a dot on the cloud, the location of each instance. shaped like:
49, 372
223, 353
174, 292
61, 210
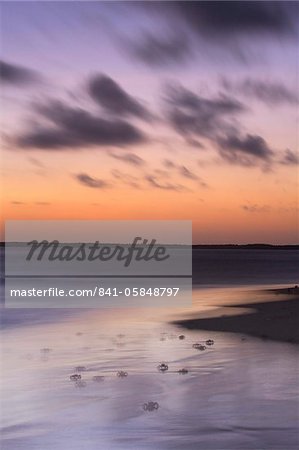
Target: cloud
269, 92
125, 178
17, 75
214, 119
75, 127
290, 158
129, 158
15, 202
158, 51
256, 208
249, 145
187, 173
36, 162
227, 26
154, 182
88, 181
182, 170
191, 114
179, 96
110, 96
46, 139
168, 163
194, 143
232, 18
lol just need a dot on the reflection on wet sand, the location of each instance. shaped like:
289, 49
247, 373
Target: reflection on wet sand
69, 384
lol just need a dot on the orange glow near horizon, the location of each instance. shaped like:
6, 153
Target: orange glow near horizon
237, 206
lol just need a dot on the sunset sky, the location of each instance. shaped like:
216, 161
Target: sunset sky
185, 110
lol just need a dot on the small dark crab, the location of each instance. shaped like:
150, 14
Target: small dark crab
199, 346
75, 377
122, 374
183, 371
163, 367
150, 406
210, 342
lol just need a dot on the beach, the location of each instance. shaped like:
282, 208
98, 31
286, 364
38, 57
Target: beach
240, 392
237, 393
276, 319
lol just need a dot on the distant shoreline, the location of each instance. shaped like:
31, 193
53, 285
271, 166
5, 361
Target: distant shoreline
216, 246
246, 246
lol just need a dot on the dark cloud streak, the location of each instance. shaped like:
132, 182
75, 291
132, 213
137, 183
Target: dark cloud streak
154, 182
214, 119
114, 99
159, 51
218, 18
199, 24
75, 127
191, 114
129, 158
256, 208
88, 181
252, 145
269, 92
17, 75
290, 158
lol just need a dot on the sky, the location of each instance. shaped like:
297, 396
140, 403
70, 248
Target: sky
153, 111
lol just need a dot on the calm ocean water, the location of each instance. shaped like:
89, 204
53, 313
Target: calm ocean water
211, 268
236, 395
248, 267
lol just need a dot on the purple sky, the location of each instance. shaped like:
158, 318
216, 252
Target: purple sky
188, 104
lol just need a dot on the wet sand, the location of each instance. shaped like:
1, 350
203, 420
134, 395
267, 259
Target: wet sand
235, 395
276, 319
